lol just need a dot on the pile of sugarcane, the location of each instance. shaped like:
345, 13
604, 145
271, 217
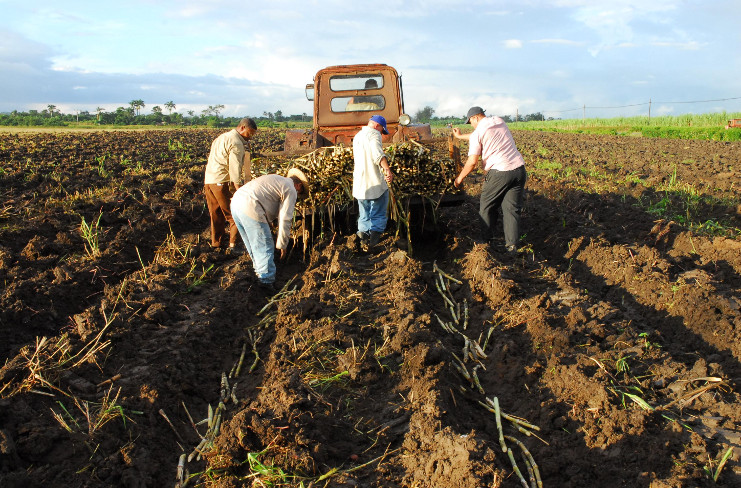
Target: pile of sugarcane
417, 171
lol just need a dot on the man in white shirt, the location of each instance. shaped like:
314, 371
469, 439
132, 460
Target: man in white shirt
258, 203
225, 165
504, 167
371, 177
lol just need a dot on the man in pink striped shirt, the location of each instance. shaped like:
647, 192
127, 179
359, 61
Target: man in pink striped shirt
505, 176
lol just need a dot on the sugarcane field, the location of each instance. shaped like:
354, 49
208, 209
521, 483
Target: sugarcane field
605, 352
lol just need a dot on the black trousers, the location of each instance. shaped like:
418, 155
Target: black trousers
502, 189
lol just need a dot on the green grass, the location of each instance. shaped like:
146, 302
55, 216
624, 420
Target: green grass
688, 126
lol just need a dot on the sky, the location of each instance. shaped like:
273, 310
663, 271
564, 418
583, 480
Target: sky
562, 58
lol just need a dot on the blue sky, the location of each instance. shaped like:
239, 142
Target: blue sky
522, 56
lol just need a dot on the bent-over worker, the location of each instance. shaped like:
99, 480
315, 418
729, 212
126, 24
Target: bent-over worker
258, 203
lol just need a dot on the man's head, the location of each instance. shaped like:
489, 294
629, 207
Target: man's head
379, 123
473, 116
370, 83
300, 182
247, 128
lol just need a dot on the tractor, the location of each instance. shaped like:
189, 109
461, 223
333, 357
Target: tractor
345, 97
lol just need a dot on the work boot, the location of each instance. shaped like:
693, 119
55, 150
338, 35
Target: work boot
234, 251
364, 237
267, 288
375, 238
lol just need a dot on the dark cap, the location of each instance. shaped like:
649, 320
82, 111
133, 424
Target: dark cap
473, 111
378, 119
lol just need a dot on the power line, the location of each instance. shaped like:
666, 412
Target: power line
705, 101
638, 105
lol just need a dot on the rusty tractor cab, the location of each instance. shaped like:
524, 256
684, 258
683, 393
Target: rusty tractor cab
345, 97
734, 124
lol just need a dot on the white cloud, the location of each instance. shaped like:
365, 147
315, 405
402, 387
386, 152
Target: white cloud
563, 42
513, 44
685, 46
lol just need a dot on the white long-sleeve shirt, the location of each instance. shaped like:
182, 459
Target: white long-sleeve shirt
267, 198
368, 181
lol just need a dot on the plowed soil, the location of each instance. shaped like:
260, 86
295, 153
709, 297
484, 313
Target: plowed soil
615, 330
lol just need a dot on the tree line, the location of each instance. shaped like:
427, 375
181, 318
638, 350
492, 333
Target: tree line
427, 116
51, 116
210, 117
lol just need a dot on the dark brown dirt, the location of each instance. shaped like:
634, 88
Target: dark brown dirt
615, 329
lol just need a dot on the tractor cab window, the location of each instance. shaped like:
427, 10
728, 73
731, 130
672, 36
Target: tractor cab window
366, 81
358, 104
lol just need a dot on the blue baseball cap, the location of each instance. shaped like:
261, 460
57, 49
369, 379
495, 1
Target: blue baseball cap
378, 119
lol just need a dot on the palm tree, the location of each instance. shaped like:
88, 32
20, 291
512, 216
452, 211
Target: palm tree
99, 110
51, 109
170, 106
137, 105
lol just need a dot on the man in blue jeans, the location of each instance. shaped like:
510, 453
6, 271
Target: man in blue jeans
371, 177
504, 167
260, 202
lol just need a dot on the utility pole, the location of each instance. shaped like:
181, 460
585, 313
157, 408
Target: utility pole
649, 111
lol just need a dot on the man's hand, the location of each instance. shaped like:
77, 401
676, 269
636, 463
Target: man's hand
283, 253
388, 175
457, 132
458, 182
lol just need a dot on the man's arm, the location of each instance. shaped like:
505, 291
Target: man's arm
458, 135
285, 219
387, 174
236, 163
470, 165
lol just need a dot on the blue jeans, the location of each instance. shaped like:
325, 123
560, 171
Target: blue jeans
258, 240
372, 213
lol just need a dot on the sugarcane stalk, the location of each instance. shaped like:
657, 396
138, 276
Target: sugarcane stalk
224, 386
445, 297
480, 354
442, 324
177, 434
488, 334
520, 421
515, 468
436, 268
476, 381
241, 360
456, 318
498, 417
530, 459
465, 314
193, 424
257, 358
466, 348
181, 468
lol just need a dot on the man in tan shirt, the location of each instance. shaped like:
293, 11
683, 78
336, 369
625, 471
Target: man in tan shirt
226, 163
